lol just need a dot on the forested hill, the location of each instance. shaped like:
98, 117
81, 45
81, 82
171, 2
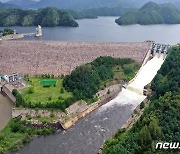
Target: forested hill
47, 17
81, 5
151, 13
160, 121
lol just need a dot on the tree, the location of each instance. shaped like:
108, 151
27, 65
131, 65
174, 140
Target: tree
31, 90
62, 90
15, 92
142, 105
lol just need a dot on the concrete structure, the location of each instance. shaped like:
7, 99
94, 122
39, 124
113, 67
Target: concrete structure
11, 78
38, 31
14, 32
7, 89
159, 49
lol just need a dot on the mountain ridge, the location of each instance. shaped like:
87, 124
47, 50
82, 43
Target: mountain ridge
81, 5
151, 13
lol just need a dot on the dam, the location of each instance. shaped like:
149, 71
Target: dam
89, 133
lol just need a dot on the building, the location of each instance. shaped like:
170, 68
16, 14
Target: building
11, 78
38, 31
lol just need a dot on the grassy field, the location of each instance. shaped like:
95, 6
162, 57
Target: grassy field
38, 93
119, 74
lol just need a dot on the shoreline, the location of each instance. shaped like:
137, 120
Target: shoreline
130, 122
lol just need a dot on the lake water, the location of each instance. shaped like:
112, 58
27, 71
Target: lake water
105, 29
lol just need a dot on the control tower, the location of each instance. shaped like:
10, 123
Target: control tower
38, 31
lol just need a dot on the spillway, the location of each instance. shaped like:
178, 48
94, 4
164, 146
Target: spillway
89, 133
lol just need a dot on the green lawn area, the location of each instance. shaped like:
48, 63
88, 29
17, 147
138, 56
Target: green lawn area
44, 94
120, 75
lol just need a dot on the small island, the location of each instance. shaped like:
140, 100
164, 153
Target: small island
151, 13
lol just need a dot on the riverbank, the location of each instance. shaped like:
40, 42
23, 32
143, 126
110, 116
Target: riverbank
138, 112
72, 114
44, 122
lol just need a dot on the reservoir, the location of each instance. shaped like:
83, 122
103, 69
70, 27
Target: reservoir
89, 133
5, 111
104, 29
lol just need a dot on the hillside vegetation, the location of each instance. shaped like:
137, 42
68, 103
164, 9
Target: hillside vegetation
85, 80
151, 13
47, 17
160, 121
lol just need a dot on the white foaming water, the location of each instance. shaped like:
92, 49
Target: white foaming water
133, 95
147, 73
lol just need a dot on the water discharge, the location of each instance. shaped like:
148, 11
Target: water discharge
147, 73
133, 95
89, 133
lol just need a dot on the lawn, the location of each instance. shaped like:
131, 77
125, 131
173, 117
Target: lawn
43, 94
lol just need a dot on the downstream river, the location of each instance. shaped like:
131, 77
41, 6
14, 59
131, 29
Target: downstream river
5, 111
105, 29
89, 133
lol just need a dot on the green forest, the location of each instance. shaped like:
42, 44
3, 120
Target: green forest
160, 121
85, 81
151, 13
47, 17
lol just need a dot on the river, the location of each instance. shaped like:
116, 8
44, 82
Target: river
5, 111
89, 133
104, 29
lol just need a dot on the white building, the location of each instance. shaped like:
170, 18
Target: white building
11, 78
